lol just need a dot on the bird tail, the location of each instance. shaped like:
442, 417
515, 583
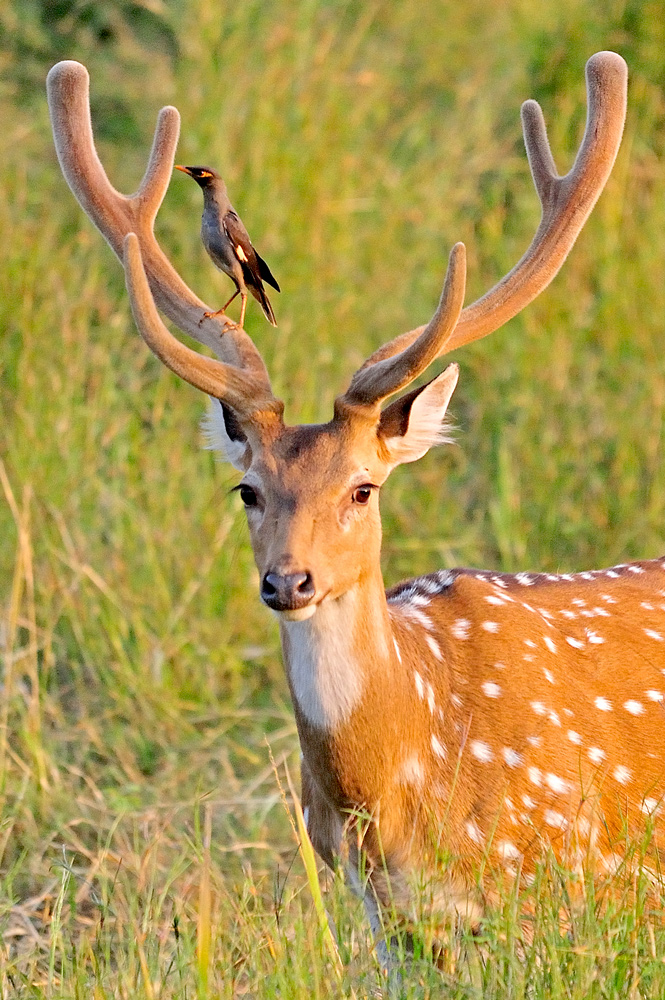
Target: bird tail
259, 293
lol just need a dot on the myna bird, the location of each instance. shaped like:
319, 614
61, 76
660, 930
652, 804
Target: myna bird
228, 244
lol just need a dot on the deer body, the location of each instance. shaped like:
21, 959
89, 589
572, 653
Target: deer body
524, 709
464, 714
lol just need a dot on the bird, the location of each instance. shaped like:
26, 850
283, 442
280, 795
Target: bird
229, 246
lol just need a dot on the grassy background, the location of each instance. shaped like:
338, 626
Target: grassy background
141, 676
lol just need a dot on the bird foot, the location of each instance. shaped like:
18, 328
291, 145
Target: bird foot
228, 323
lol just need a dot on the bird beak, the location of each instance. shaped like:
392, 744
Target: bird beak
185, 170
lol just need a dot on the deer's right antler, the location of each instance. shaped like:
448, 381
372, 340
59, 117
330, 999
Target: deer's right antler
566, 204
116, 215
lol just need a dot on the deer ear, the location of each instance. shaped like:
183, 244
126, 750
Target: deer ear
412, 424
222, 432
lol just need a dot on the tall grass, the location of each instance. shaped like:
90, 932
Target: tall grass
142, 684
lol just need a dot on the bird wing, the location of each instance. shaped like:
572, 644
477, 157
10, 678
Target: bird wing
242, 247
253, 266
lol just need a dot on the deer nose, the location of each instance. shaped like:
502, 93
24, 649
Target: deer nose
287, 591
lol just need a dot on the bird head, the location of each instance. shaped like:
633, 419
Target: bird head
204, 176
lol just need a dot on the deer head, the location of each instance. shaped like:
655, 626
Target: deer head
311, 492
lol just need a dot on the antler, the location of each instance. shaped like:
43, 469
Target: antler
116, 215
566, 204
372, 384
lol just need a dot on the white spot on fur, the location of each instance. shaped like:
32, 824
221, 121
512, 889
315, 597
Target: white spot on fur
490, 626
420, 687
634, 707
654, 695
538, 708
603, 704
596, 755
535, 776
555, 819
558, 785
481, 751
574, 737
399, 655
576, 643
491, 689
621, 774
438, 747
473, 831
653, 635
434, 646
412, 772
511, 757
460, 628
415, 614
507, 851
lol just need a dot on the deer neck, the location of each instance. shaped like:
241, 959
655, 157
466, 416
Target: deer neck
334, 658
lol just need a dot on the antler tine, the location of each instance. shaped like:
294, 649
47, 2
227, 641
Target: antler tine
370, 385
116, 215
240, 389
566, 203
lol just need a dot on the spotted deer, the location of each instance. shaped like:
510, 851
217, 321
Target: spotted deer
482, 713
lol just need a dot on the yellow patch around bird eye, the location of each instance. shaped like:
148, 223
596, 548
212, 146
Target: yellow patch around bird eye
241, 253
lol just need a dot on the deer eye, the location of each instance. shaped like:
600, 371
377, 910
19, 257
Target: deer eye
248, 496
361, 494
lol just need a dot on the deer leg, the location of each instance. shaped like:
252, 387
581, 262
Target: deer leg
363, 889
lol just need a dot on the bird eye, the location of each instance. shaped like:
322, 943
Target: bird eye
361, 495
248, 496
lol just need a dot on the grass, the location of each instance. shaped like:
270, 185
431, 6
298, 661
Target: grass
144, 847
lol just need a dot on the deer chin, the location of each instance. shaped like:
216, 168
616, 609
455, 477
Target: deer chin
297, 614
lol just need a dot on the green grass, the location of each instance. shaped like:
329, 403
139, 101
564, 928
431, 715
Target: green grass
141, 681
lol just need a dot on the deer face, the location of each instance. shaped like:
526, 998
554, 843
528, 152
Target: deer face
311, 493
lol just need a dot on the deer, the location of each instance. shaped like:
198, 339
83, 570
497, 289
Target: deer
479, 713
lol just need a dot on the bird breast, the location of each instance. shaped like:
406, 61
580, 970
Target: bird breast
219, 248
